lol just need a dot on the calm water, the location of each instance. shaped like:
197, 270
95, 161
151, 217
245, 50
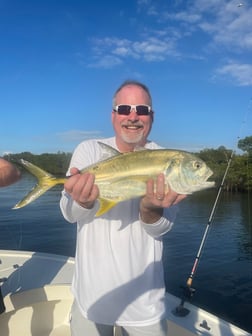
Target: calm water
223, 280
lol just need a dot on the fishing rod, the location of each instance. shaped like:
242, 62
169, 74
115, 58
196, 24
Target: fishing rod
188, 291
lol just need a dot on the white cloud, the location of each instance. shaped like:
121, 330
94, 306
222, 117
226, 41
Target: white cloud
113, 51
241, 73
213, 26
185, 17
227, 24
148, 6
105, 61
78, 135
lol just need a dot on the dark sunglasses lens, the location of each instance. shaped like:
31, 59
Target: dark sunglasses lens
124, 109
142, 110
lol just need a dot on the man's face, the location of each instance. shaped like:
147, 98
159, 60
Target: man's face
132, 129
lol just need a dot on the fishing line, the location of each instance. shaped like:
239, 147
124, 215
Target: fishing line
188, 291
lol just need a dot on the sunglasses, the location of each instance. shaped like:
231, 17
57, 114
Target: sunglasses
126, 109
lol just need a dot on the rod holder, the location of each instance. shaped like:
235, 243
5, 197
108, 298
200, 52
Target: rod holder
187, 294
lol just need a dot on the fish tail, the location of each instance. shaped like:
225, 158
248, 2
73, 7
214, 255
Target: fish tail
45, 182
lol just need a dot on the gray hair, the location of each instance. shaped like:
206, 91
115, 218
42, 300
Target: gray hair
132, 82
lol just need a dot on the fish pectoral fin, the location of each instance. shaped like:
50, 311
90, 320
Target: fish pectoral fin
105, 206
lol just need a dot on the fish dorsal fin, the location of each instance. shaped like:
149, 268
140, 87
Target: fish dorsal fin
140, 148
105, 206
108, 151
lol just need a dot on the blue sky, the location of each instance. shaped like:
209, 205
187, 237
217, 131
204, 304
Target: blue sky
61, 62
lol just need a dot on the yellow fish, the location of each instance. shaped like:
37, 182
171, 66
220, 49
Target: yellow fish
123, 176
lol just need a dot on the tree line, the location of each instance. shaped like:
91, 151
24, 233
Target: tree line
239, 177
54, 163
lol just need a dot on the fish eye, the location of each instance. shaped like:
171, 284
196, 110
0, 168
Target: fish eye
197, 164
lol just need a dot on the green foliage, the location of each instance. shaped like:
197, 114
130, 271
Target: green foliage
246, 145
56, 164
239, 176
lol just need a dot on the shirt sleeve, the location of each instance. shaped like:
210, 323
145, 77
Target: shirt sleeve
72, 211
163, 225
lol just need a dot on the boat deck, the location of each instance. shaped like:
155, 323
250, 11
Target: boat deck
37, 296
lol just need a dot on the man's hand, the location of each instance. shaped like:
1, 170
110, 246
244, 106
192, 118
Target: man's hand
158, 196
82, 188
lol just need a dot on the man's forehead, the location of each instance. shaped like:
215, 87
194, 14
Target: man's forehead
132, 88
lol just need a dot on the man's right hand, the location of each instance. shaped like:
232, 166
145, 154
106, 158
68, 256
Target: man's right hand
82, 188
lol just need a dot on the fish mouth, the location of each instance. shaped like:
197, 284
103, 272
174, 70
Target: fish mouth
208, 174
209, 184
198, 187
202, 184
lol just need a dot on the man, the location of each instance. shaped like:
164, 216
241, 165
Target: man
118, 276
9, 174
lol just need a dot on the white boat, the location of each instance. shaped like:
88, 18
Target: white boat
37, 298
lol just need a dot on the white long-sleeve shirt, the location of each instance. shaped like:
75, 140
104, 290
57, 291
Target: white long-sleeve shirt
118, 276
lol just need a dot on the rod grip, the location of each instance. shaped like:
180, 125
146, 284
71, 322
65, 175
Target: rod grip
189, 282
